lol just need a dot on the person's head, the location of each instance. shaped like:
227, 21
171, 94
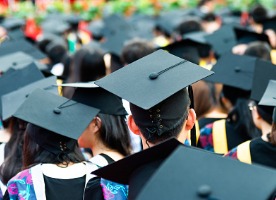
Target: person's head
13, 151
42, 146
260, 114
230, 95
108, 130
136, 49
204, 98
86, 65
163, 121
188, 26
55, 51
210, 22
257, 14
206, 6
259, 50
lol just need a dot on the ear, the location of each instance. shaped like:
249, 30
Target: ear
132, 125
96, 124
191, 119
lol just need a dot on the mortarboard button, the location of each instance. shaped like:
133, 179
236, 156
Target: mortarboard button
237, 69
153, 75
57, 111
204, 191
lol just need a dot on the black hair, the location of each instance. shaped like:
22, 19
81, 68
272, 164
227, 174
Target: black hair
136, 49
272, 136
13, 151
259, 50
258, 13
114, 133
241, 118
87, 65
188, 26
233, 93
209, 17
34, 154
203, 2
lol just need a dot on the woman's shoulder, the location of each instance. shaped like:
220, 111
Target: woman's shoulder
25, 174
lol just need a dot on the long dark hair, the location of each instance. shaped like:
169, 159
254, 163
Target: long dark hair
272, 135
115, 134
34, 154
13, 151
241, 118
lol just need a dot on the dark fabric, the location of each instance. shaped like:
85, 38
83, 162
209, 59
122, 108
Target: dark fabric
235, 137
6, 196
69, 189
108, 158
263, 152
93, 188
204, 121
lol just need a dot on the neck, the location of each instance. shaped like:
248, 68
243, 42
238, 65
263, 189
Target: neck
100, 148
266, 128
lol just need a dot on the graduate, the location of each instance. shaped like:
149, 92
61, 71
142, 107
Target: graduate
53, 164
260, 150
236, 74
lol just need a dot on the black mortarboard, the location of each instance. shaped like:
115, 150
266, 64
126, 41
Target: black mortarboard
198, 36
92, 95
62, 117
55, 26
264, 71
96, 27
214, 178
269, 97
269, 23
234, 70
159, 88
222, 40
158, 76
16, 34
189, 49
245, 36
15, 60
13, 23
115, 24
17, 79
125, 170
13, 100
21, 45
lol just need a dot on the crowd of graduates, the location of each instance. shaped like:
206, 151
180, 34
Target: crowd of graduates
179, 105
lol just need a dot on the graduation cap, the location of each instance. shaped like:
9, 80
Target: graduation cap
269, 23
234, 70
13, 23
92, 95
264, 71
188, 49
269, 99
168, 22
97, 27
55, 26
158, 89
61, 117
222, 40
149, 159
213, 177
245, 36
17, 79
13, 100
15, 60
21, 45
198, 36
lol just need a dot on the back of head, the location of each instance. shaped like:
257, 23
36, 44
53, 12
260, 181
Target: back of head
259, 50
36, 149
56, 51
189, 26
114, 133
233, 93
136, 49
163, 121
258, 13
